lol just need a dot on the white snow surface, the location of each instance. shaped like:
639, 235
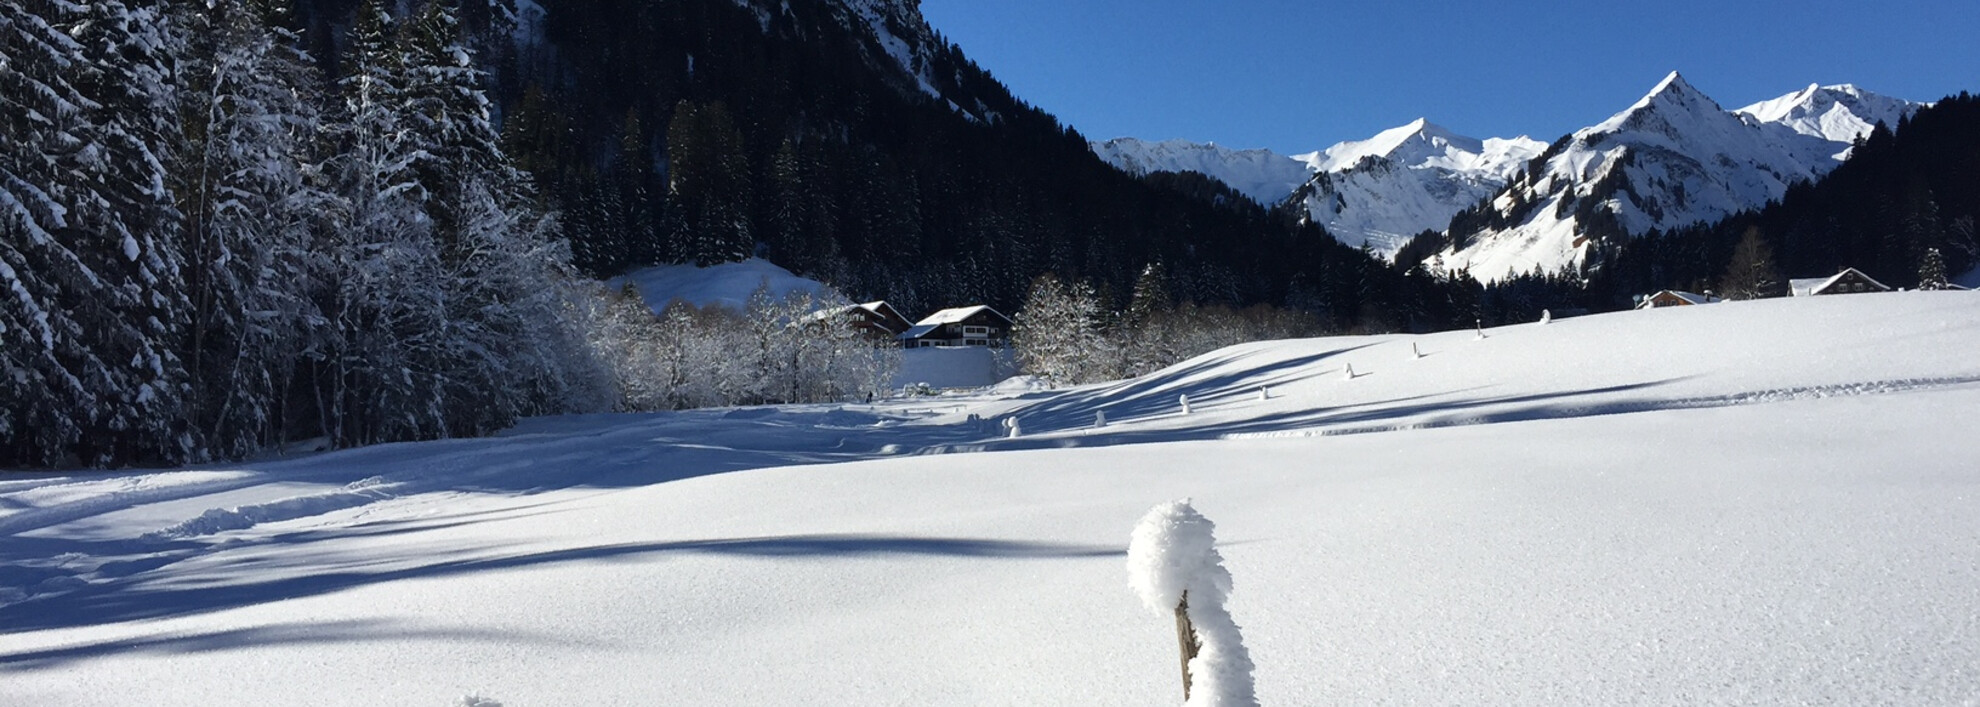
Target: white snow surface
1265, 176
1678, 159
955, 367
727, 284
1771, 501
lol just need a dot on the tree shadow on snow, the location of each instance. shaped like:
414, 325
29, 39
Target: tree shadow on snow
138, 598
308, 634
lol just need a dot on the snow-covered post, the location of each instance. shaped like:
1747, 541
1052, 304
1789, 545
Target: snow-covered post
1172, 560
1546, 315
1183, 400
1264, 393
1099, 418
1350, 372
1481, 328
1011, 424
1415, 352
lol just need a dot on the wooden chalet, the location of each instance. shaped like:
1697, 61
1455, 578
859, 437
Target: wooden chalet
962, 326
1850, 280
877, 320
1675, 298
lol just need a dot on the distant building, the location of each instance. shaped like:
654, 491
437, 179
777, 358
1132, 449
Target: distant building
962, 326
1675, 298
877, 320
1848, 281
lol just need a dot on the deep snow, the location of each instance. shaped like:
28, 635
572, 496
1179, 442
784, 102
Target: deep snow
1768, 501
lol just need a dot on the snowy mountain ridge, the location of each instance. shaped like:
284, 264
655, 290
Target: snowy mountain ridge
1378, 191
1672, 159
1676, 156
1265, 176
1382, 191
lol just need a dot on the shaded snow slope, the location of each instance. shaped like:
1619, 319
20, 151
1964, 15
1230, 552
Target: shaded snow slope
1767, 501
728, 284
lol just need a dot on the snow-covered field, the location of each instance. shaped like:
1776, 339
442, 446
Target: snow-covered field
1771, 502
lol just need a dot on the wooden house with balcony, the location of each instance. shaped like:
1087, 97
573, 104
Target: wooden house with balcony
962, 326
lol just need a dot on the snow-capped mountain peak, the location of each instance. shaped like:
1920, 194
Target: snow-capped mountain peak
1673, 107
1384, 190
1418, 142
1838, 113
1672, 159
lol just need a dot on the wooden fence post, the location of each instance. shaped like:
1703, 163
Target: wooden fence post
1186, 640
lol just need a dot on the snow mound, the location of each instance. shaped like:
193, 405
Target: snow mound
726, 285
220, 520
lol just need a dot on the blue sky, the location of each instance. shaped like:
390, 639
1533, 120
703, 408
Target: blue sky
1298, 76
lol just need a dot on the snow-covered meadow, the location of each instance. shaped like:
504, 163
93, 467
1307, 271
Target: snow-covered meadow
1772, 501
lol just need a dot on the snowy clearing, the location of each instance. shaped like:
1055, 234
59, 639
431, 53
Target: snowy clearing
1769, 501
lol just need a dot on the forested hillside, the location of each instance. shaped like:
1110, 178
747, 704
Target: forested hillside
850, 142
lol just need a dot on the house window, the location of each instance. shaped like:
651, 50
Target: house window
977, 342
976, 331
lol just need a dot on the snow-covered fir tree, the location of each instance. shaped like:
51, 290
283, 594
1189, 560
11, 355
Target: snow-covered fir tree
385, 370
1932, 271
88, 252
249, 123
1058, 335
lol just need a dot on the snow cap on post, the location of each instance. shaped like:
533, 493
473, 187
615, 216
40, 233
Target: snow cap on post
1173, 551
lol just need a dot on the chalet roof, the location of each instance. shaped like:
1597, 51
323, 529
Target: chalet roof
952, 316
877, 307
1688, 297
917, 331
1805, 286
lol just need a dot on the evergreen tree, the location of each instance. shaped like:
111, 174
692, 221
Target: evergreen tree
708, 185
1932, 271
89, 252
384, 378
251, 268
